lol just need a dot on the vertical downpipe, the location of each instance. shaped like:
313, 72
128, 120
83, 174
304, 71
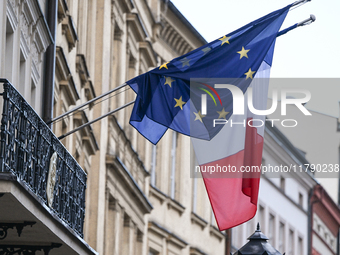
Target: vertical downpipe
48, 86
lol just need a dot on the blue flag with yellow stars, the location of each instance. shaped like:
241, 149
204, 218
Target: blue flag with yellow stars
165, 98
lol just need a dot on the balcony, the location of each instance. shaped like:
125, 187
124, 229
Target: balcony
42, 187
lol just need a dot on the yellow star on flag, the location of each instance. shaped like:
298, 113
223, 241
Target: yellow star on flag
206, 50
222, 114
199, 116
224, 40
179, 103
249, 74
243, 53
168, 81
185, 62
164, 65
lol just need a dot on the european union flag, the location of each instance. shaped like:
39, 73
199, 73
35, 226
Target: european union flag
165, 98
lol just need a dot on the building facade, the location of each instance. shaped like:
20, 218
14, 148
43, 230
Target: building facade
325, 132
139, 197
283, 207
324, 203
42, 187
326, 222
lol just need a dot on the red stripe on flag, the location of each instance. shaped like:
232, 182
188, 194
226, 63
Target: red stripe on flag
234, 200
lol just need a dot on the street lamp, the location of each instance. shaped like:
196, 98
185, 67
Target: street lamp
257, 245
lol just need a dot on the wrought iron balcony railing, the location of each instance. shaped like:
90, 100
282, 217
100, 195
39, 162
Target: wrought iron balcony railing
31, 152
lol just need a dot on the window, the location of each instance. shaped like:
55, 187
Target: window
300, 246
234, 234
326, 237
194, 176
83, 19
261, 218
198, 197
22, 74
33, 94
291, 243
132, 69
126, 235
9, 51
250, 227
153, 252
281, 237
271, 229
194, 195
173, 166
64, 131
153, 165
300, 199
282, 183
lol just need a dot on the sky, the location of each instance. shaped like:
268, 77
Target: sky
311, 51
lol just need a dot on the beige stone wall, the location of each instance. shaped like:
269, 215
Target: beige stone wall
118, 40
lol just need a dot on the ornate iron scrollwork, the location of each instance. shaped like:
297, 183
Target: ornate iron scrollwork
4, 226
26, 147
27, 249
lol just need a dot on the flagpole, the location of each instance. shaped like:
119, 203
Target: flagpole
228, 244
95, 120
308, 21
86, 103
300, 2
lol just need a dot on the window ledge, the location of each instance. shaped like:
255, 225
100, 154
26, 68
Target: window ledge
70, 32
158, 194
198, 220
215, 232
196, 251
62, 10
172, 204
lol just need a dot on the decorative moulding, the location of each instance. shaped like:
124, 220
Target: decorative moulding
69, 31
12, 16
62, 10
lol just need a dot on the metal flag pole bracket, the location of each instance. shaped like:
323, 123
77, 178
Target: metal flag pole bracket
308, 21
95, 120
86, 103
300, 2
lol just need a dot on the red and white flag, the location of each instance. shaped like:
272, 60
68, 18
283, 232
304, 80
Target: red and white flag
233, 195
